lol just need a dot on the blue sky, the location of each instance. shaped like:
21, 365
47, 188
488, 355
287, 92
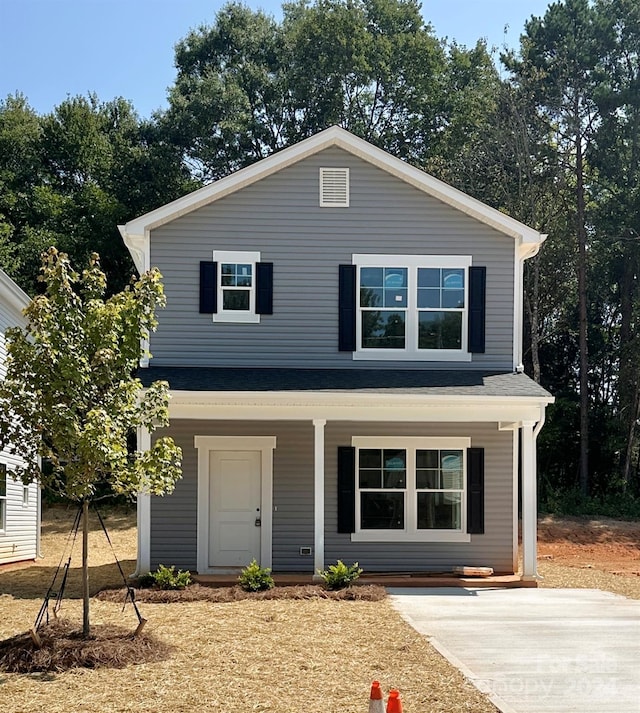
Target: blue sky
50, 49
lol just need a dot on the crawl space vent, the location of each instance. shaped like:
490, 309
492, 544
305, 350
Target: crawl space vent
334, 187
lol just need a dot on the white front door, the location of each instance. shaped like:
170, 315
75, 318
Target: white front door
234, 508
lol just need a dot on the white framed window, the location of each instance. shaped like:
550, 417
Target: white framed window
412, 307
411, 489
3, 496
236, 286
25, 496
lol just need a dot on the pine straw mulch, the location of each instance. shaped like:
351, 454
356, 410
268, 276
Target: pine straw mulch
63, 648
198, 593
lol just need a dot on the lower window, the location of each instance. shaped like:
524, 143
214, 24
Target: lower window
3, 496
410, 486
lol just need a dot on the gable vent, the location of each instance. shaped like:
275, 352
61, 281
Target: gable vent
334, 187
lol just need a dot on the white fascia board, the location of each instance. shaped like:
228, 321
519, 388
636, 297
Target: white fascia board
13, 296
334, 136
352, 407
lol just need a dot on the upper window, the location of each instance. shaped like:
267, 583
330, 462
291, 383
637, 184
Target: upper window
236, 286
412, 307
3, 496
410, 488
334, 187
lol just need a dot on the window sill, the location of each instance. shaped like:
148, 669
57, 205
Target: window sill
400, 355
401, 536
237, 318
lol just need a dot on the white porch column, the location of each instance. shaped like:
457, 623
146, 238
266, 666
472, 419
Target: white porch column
529, 503
144, 515
318, 495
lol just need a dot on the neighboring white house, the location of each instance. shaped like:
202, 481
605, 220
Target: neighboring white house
19, 504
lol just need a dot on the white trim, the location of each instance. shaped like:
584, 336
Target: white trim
334, 136
138, 246
206, 444
318, 494
234, 316
514, 505
412, 534
144, 514
529, 503
412, 263
353, 406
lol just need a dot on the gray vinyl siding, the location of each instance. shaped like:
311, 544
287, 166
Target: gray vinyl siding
280, 217
494, 548
173, 518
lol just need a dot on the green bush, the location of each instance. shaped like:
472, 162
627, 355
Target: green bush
620, 506
255, 578
339, 575
166, 578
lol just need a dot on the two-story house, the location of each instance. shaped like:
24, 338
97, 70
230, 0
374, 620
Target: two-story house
19, 503
343, 340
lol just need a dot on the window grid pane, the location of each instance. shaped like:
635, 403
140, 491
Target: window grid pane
436, 489
382, 479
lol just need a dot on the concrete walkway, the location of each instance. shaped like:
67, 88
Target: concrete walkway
536, 650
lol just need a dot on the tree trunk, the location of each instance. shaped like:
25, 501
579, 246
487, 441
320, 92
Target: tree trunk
582, 318
85, 569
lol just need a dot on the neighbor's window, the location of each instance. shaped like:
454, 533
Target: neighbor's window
236, 286
410, 486
412, 306
3, 496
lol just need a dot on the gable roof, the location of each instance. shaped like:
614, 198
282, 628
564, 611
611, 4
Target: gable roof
135, 233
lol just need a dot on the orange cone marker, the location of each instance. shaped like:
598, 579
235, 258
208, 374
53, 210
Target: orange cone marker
376, 704
394, 704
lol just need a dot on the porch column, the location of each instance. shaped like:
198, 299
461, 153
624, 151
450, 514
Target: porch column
529, 503
144, 515
318, 495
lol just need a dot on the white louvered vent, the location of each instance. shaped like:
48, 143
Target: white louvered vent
334, 187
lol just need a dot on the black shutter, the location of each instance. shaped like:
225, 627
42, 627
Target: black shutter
346, 489
208, 287
347, 308
264, 288
477, 290
475, 491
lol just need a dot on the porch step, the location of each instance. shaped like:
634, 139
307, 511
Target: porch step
391, 579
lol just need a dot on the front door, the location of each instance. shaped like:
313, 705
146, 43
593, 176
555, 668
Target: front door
234, 508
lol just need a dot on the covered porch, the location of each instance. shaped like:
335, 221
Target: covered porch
508, 403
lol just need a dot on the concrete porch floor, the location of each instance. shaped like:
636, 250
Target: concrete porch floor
392, 579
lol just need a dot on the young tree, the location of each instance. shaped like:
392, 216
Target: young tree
70, 399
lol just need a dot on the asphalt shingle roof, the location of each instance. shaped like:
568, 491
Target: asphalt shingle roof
391, 381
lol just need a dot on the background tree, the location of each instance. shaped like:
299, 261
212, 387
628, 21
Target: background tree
69, 399
247, 85
69, 177
559, 66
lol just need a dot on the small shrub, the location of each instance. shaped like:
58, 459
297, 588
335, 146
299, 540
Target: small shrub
166, 578
255, 578
339, 575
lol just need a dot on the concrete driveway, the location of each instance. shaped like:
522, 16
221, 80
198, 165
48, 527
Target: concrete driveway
535, 650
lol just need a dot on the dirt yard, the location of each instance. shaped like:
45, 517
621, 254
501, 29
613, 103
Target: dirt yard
608, 545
